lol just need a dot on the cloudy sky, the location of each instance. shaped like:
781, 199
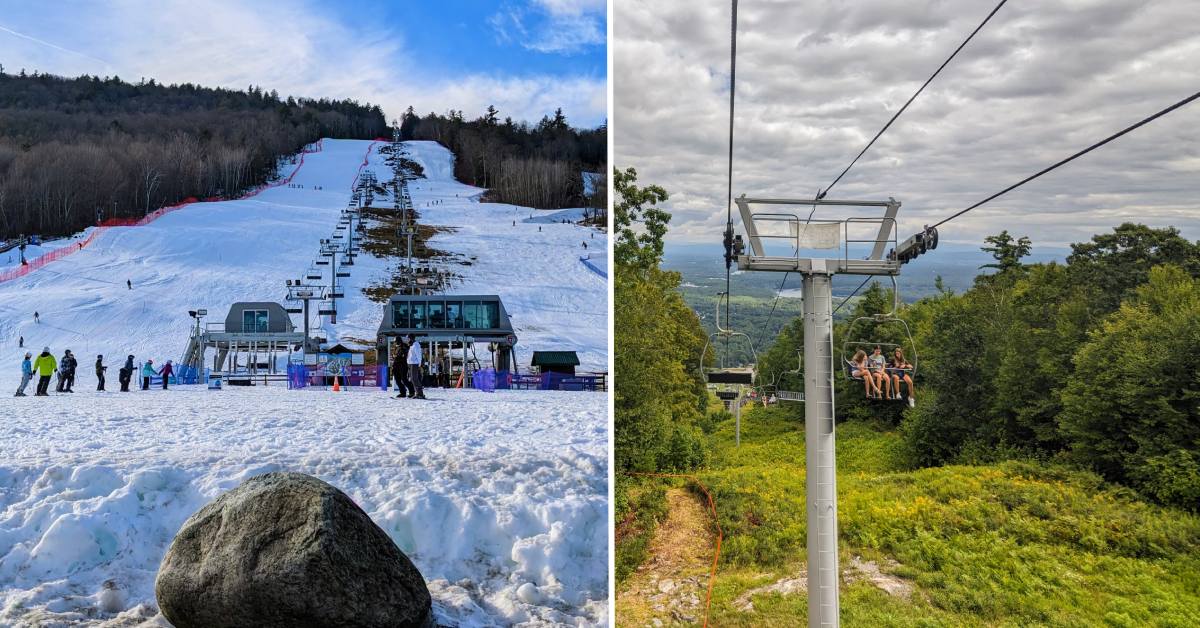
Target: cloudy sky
817, 80
525, 56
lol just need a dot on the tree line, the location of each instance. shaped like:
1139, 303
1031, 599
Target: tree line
75, 149
1094, 362
539, 165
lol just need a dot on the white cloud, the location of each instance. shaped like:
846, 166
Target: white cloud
296, 49
816, 80
552, 26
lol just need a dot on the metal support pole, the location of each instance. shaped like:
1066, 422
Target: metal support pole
820, 461
737, 414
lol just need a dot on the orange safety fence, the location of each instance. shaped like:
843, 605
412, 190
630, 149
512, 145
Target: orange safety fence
712, 507
57, 254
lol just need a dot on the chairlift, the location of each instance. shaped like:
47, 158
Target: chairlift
343, 274
853, 344
723, 374
326, 308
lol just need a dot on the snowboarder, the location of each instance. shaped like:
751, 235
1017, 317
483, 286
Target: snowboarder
147, 373
400, 372
100, 368
126, 374
36, 318
414, 367
129, 284
26, 374
45, 366
166, 372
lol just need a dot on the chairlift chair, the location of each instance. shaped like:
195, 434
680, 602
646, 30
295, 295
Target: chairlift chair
851, 344
743, 375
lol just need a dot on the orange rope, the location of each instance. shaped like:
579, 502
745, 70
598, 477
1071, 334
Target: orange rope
712, 506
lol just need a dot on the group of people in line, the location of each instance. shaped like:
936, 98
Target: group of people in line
299, 186
45, 367
882, 376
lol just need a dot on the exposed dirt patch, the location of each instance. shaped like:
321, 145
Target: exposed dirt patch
857, 570
382, 239
671, 586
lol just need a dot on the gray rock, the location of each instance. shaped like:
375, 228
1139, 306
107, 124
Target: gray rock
286, 549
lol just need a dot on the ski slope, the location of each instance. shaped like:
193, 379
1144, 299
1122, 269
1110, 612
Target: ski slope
500, 499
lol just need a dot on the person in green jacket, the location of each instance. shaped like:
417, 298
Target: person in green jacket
45, 365
147, 372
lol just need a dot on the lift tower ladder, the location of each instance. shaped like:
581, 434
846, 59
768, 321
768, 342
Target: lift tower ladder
781, 239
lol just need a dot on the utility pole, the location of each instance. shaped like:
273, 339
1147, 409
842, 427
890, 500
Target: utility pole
776, 241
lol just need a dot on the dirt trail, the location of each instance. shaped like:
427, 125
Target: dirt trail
669, 589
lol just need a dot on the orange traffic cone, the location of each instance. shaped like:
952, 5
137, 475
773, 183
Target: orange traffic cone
336, 388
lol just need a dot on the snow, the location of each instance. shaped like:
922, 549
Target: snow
499, 499
12, 257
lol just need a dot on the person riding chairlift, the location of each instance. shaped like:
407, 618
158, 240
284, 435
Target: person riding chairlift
878, 365
860, 369
901, 369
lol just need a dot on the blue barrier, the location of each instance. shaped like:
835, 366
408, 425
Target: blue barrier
592, 267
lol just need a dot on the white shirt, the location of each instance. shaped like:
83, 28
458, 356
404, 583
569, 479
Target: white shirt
414, 353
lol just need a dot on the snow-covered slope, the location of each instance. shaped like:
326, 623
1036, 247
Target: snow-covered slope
500, 499
210, 255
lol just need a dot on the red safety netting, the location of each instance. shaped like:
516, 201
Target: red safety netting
42, 260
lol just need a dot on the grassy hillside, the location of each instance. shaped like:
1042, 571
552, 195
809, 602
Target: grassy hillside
1011, 544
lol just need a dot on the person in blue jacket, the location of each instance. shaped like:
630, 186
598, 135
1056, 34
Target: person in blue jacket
147, 373
26, 374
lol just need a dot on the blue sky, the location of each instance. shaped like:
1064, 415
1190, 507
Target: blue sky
527, 57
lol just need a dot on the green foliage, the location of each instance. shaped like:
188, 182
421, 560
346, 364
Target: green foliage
1134, 406
1114, 264
660, 398
1008, 544
634, 250
1007, 251
640, 506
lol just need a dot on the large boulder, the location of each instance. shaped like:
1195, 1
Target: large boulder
286, 549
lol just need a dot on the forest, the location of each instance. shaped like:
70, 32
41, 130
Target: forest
75, 149
539, 165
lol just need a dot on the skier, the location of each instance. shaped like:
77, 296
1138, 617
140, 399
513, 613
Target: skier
21, 342
67, 367
100, 368
26, 374
147, 373
585, 246
36, 318
166, 373
400, 371
414, 368
126, 374
129, 284
45, 366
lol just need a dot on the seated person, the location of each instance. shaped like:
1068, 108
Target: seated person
878, 364
860, 369
901, 370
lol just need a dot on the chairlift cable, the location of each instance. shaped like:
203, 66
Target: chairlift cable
729, 197
851, 296
913, 97
1067, 160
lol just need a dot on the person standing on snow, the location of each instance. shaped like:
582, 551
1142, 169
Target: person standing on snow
400, 372
45, 367
21, 342
414, 368
166, 373
126, 374
147, 373
129, 284
36, 318
100, 368
67, 366
26, 374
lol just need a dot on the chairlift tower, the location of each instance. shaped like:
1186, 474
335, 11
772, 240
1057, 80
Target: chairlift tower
332, 249
779, 236
298, 290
